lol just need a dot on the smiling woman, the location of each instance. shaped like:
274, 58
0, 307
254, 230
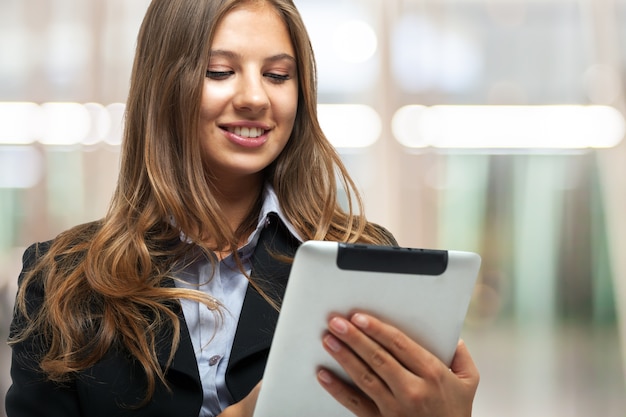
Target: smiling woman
167, 305
545, 325
250, 95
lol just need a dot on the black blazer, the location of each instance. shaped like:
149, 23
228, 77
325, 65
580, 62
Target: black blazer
112, 386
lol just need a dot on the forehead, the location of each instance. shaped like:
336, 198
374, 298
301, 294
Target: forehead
252, 25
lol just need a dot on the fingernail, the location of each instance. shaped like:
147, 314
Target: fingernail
332, 343
339, 325
360, 320
325, 377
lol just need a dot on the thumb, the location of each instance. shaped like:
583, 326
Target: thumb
463, 365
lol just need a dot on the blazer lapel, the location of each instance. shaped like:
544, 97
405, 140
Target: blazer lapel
257, 322
184, 360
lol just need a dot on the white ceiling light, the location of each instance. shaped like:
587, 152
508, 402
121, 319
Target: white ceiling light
64, 123
20, 123
509, 127
350, 125
100, 123
116, 113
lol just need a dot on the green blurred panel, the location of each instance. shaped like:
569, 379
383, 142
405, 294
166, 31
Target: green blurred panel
538, 204
604, 308
8, 215
462, 208
65, 188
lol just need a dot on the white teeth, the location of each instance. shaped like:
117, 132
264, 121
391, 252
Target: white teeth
246, 132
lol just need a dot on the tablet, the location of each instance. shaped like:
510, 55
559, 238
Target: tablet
425, 293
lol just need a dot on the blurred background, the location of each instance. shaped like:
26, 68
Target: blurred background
487, 125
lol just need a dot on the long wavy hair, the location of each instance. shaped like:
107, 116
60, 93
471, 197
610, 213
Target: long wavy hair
104, 280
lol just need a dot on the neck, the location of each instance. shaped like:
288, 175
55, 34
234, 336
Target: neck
237, 198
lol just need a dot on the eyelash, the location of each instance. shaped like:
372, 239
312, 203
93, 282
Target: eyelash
218, 75
279, 78
221, 75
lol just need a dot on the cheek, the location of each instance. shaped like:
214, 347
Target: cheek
289, 108
213, 100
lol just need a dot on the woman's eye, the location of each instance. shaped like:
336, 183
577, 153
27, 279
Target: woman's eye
278, 78
218, 75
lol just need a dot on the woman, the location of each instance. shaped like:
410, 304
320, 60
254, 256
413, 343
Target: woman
167, 305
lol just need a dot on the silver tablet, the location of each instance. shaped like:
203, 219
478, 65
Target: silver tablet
425, 293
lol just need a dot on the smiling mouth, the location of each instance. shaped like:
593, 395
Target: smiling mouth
246, 132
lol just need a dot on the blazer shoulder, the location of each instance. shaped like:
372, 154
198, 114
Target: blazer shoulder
387, 238
34, 252
75, 236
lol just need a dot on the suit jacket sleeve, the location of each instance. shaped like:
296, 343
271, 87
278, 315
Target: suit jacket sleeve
112, 387
31, 394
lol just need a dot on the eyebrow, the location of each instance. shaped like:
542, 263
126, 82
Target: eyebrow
235, 55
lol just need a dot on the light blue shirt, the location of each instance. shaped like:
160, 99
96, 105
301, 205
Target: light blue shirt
212, 335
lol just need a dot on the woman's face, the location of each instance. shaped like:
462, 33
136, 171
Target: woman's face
250, 94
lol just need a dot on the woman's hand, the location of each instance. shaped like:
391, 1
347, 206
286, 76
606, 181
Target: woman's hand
245, 407
395, 375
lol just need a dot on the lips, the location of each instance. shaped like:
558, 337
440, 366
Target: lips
246, 132
246, 136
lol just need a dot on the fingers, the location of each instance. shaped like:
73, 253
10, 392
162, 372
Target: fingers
245, 407
254, 394
372, 368
249, 402
367, 366
406, 351
346, 395
463, 365
393, 374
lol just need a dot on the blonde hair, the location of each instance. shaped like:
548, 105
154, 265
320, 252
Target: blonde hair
108, 276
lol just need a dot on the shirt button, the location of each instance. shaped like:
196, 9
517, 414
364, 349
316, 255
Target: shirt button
213, 360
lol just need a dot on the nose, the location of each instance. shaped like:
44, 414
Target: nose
251, 95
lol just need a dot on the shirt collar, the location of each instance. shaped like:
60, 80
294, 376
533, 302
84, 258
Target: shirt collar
272, 205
